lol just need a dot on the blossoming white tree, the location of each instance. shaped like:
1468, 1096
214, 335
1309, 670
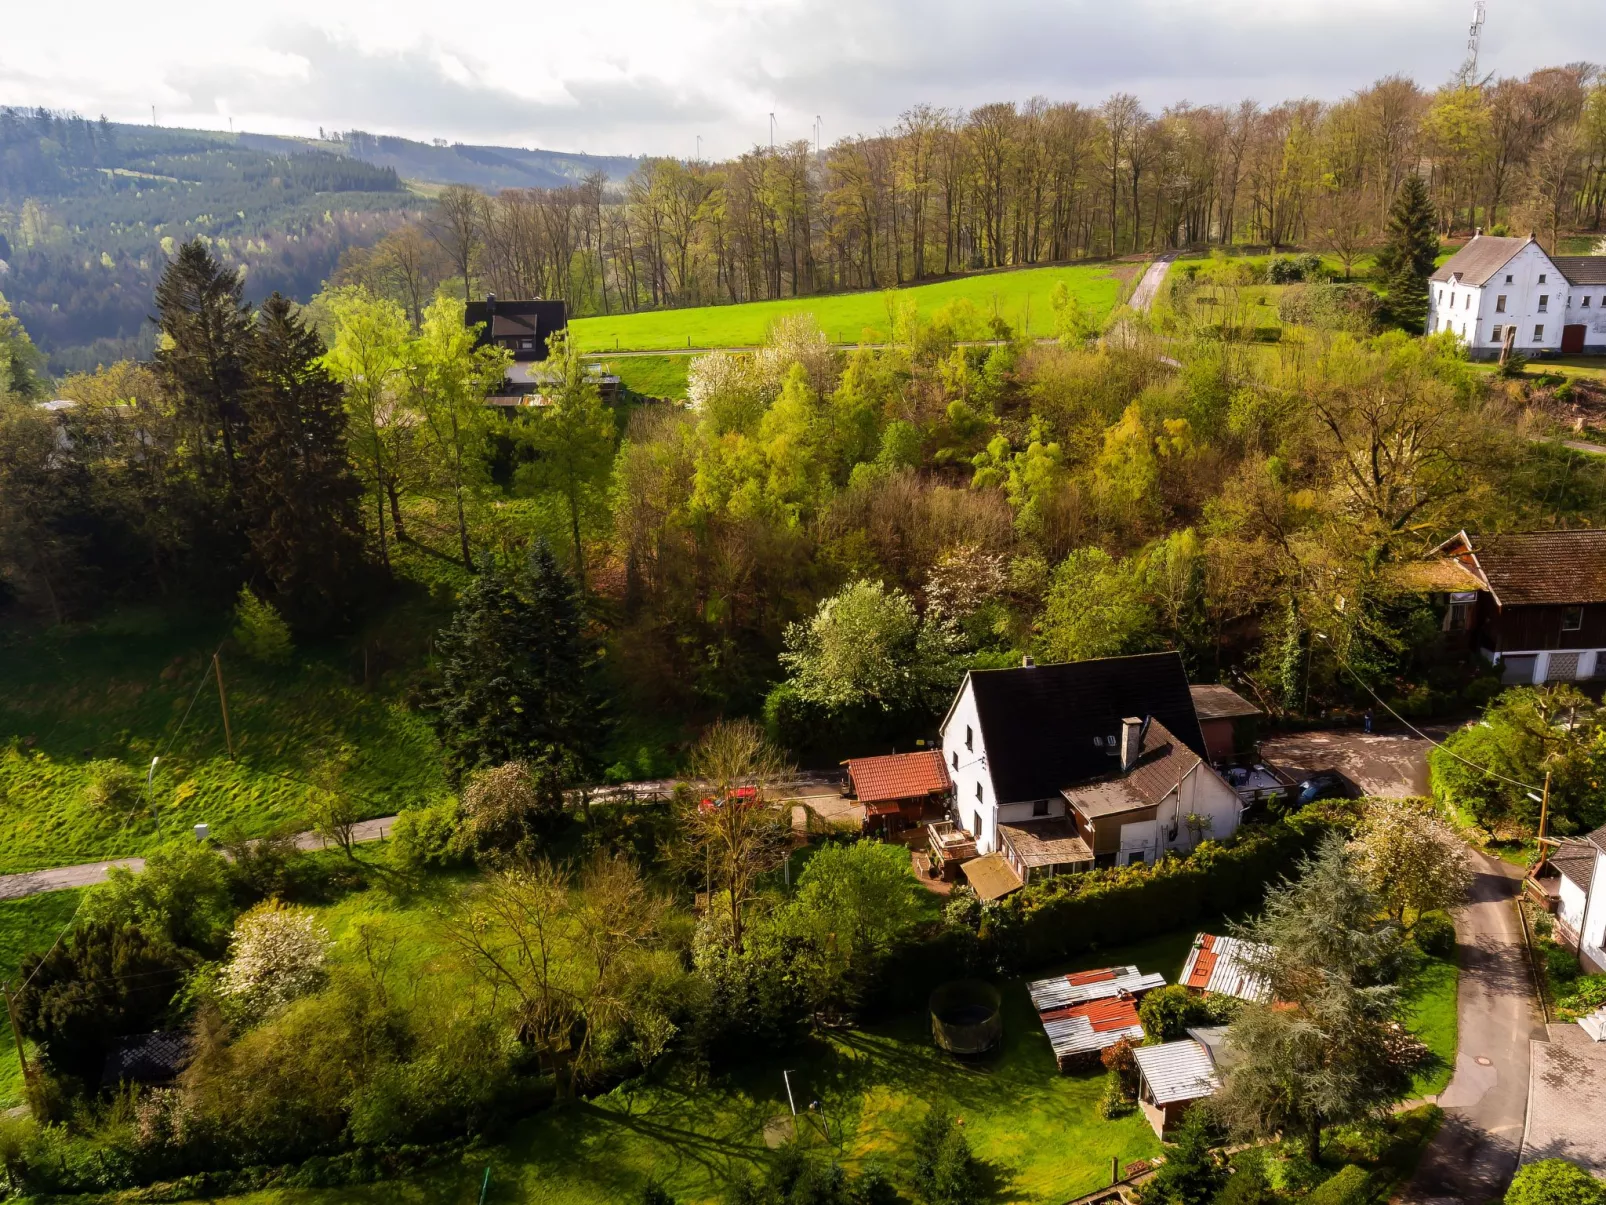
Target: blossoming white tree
277, 954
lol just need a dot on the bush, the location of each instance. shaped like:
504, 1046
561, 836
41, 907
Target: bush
1351, 1186
1555, 1182
260, 631
429, 838
1167, 1013
1352, 308
1434, 935
1561, 966
113, 787
1582, 996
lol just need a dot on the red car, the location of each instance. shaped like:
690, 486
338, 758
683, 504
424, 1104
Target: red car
746, 796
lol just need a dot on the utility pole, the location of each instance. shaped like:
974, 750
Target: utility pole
819, 133
1544, 820
223, 700
699, 148
772, 133
16, 1032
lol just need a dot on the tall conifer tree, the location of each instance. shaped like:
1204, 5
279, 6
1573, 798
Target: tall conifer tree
300, 496
1407, 258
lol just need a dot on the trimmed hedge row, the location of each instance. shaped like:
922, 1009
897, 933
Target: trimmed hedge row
1072, 914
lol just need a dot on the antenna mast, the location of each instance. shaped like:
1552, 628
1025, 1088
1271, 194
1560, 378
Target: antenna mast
1469, 69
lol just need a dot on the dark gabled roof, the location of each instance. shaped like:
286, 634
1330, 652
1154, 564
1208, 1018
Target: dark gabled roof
1581, 269
1480, 259
147, 1058
1163, 762
513, 319
1575, 861
1536, 568
1045, 727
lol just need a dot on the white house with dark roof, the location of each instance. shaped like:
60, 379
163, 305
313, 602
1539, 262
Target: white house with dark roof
1577, 884
1498, 290
1100, 762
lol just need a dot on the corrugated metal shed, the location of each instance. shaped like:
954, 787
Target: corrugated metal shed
1177, 1071
1221, 965
1086, 1028
1063, 991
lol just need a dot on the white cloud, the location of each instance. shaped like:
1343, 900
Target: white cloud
631, 76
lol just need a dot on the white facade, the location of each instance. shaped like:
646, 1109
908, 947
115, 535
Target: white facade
1529, 292
976, 808
1202, 794
1581, 911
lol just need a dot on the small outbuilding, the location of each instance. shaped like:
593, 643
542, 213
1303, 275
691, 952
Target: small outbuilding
1087, 1012
1224, 966
153, 1059
1225, 719
1171, 1077
899, 790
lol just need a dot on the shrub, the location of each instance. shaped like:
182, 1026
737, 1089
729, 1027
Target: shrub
113, 787
946, 1173
1167, 1013
276, 955
1582, 996
1555, 1182
1352, 308
429, 838
1561, 965
1434, 935
260, 631
1351, 1186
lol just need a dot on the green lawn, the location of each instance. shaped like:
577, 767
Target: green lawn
119, 690
1431, 1015
1020, 297
651, 376
26, 926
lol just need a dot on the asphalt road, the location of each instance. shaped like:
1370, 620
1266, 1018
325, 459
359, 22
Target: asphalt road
1474, 1154
1149, 286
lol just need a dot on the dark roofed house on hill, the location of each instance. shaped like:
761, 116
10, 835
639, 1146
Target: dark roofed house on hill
522, 328
1533, 603
1059, 767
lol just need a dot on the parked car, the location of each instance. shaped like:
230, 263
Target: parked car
1325, 785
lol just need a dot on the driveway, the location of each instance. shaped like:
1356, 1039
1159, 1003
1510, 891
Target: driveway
1149, 285
1567, 1100
1474, 1154
1390, 764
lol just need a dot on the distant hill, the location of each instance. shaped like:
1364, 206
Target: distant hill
89, 211
487, 167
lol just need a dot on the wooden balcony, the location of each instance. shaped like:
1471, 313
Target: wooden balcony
950, 844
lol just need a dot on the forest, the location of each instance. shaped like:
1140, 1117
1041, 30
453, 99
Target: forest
1007, 184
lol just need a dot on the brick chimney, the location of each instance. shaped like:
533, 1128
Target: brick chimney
1131, 742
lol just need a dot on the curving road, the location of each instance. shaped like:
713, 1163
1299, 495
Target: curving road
1474, 1154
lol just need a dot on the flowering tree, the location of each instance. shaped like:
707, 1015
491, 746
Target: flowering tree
1410, 859
276, 955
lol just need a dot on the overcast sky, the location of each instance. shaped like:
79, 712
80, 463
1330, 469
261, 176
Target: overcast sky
649, 76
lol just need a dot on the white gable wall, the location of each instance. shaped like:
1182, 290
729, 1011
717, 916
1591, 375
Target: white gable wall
1592, 946
1472, 314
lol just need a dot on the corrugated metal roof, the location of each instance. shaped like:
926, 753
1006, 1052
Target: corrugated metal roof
1177, 1071
898, 776
1067, 991
1221, 965
1095, 1025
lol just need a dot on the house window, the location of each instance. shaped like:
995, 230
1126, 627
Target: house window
1458, 618
1586, 302
1441, 296
1544, 303
970, 738
1500, 304
1466, 302
1040, 807
976, 820
1541, 278
978, 792
1572, 619
1539, 334
956, 759
1494, 335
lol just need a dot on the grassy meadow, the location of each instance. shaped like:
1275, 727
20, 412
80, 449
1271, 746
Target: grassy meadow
27, 926
1020, 297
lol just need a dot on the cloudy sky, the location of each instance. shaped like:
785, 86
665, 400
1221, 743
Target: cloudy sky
650, 76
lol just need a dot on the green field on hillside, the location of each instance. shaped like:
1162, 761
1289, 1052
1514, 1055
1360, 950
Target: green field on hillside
1021, 298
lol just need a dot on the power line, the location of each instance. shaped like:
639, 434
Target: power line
1527, 786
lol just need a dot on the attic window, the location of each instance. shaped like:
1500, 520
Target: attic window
970, 738
1542, 278
1508, 280
956, 759
1098, 742
978, 791
1572, 619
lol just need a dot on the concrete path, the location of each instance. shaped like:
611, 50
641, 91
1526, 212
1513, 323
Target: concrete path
1149, 286
1474, 1154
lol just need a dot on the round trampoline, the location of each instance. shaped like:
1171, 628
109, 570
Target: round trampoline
965, 1017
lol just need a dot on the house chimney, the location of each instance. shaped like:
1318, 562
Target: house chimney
1131, 742
1026, 661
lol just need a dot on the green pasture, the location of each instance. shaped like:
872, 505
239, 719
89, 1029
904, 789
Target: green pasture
1021, 298
27, 926
651, 376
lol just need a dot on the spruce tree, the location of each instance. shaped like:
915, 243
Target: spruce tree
300, 497
201, 310
1407, 258
516, 672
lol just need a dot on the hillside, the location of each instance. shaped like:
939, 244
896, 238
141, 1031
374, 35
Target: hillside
88, 210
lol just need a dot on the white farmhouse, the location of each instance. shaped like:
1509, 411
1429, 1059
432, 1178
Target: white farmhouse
1579, 887
1059, 767
1499, 289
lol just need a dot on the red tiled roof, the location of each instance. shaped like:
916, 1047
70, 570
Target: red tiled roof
898, 776
1080, 977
